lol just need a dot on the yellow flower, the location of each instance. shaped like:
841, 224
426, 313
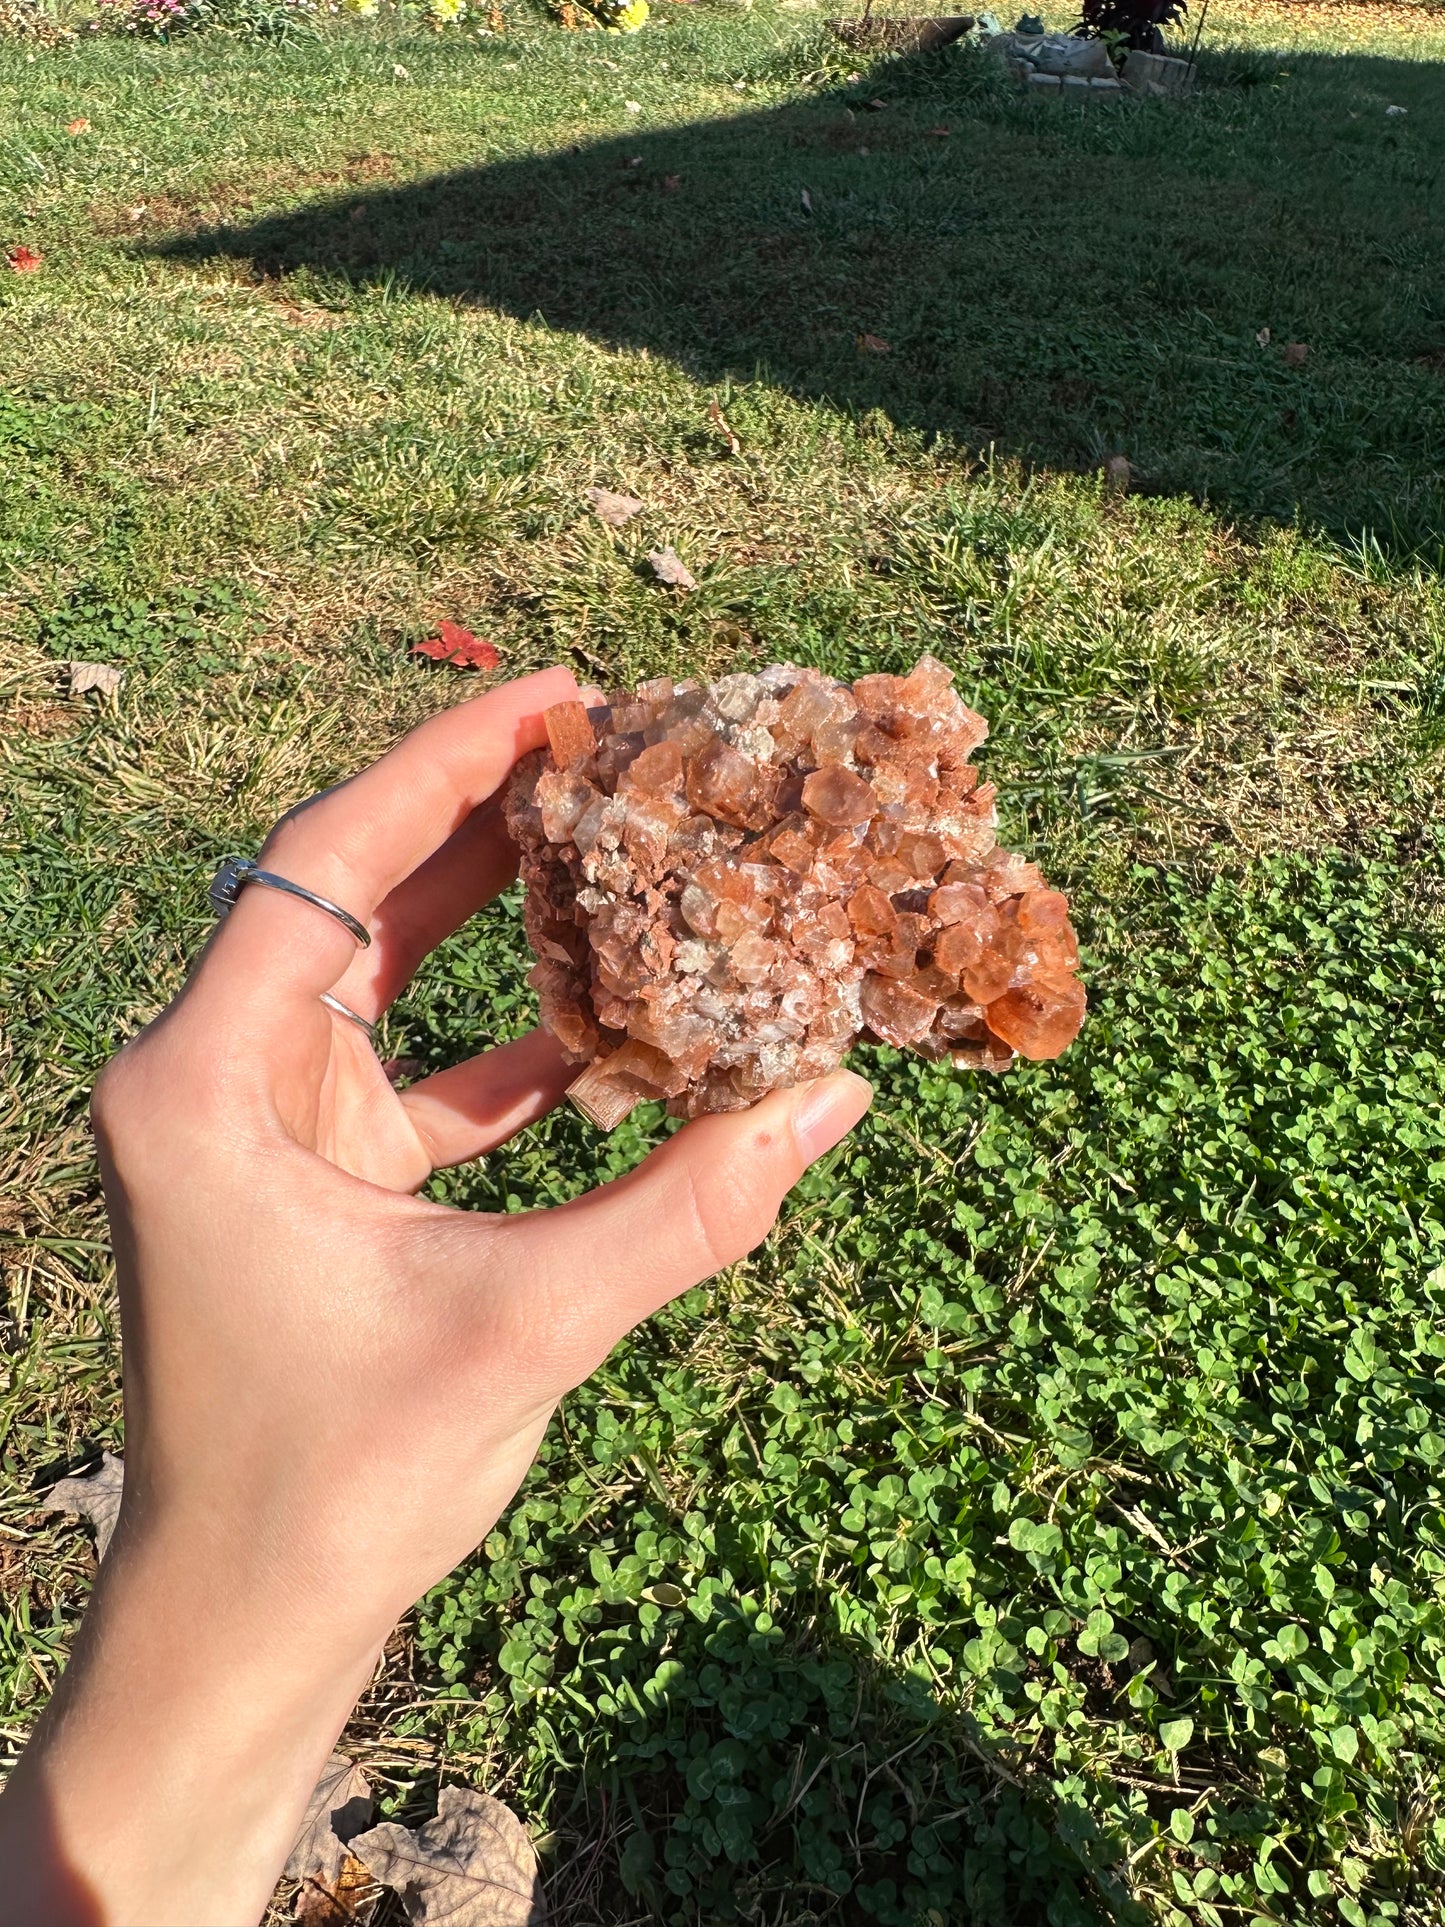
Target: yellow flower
629, 17
444, 12
363, 9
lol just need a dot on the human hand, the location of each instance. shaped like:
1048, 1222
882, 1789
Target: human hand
333, 1387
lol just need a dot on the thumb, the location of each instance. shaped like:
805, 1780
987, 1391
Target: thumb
698, 1203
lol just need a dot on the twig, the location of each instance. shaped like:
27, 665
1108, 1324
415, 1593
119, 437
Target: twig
1194, 50
1142, 1523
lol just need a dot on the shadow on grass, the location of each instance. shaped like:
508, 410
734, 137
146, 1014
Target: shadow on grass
907, 1816
774, 1783
1059, 282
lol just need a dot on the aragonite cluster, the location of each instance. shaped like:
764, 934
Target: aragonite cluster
729, 884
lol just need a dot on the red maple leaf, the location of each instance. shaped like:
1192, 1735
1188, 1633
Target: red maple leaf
24, 260
452, 643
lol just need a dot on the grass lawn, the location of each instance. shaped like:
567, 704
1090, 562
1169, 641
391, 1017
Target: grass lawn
1048, 1524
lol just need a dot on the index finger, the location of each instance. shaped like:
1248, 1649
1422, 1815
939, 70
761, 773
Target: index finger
354, 844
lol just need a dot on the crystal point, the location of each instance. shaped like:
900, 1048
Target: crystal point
569, 731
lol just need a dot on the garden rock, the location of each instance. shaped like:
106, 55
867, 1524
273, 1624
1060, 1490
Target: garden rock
1075, 87
1060, 53
1158, 76
1056, 54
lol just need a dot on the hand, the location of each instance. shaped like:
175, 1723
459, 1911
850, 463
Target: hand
333, 1387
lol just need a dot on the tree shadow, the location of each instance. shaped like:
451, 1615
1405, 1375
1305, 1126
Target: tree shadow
765, 1776
832, 1793
1061, 283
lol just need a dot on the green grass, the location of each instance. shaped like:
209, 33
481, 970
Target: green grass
835, 1596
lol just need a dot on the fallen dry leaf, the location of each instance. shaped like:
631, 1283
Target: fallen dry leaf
94, 1497
473, 1866
873, 345
940, 133
340, 1807
338, 1903
719, 422
666, 1595
333, 1880
454, 644
614, 510
104, 676
1296, 354
496, 20
1263, 337
24, 260
1118, 474
78, 126
306, 317
671, 183
807, 200
1141, 1657
668, 567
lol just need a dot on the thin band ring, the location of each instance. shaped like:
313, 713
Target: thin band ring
237, 871
342, 1010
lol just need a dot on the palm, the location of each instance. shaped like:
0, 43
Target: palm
334, 1098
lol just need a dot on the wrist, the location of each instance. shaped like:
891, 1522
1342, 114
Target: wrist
213, 1703
269, 1598
244, 1628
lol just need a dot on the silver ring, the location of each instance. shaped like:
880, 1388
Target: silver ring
335, 1003
237, 871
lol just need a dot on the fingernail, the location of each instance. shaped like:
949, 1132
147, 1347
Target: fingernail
828, 1110
592, 696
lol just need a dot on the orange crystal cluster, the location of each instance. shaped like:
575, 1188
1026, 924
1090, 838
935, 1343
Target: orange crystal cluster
729, 884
